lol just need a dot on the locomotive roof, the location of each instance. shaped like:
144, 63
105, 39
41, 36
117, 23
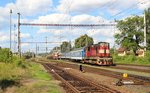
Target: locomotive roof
97, 44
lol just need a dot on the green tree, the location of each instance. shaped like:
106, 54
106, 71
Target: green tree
83, 40
131, 33
65, 46
55, 49
147, 12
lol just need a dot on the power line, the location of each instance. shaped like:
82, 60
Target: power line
74, 25
41, 42
109, 4
129, 8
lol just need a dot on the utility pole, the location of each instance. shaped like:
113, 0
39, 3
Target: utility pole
145, 30
46, 44
114, 36
36, 49
15, 38
86, 41
10, 28
19, 41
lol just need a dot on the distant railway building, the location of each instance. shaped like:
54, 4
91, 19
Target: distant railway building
122, 51
140, 52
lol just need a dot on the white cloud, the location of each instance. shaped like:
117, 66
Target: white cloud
57, 18
42, 30
25, 35
24, 44
26, 8
3, 37
80, 5
53, 18
32, 7
108, 32
52, 31
144, 4
111, 6
84, 18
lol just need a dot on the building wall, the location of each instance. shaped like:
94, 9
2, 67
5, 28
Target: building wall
122, 53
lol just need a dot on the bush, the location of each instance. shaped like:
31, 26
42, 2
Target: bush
9, 71
148, 56
132, 59
11, 67
5, 55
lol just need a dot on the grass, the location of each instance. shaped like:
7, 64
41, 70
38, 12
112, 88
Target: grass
10, 75
38, 81
26, 77
39, 87
10, 71
19, 76
132, 59
37, 71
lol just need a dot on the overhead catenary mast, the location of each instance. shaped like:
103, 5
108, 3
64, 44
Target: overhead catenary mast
19, 40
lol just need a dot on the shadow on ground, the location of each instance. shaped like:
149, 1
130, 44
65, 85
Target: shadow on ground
4, 84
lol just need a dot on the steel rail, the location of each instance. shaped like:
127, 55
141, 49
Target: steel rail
64, 81
99, 87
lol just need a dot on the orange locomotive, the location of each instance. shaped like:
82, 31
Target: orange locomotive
98, 54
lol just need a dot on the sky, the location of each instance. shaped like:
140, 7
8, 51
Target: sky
63, 12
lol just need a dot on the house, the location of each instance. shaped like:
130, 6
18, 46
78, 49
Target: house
121, 51
140, 52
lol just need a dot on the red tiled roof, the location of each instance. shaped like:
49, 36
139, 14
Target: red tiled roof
121, 49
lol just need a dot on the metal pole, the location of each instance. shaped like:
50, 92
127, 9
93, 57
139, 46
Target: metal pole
46, 44
14, 38
36, 49
86, 41
10, 28
19, 41
114, 36
145, 30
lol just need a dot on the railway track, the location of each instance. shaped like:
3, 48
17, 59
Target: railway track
76, 83
132, 65
139, 80
138, 68
130, 68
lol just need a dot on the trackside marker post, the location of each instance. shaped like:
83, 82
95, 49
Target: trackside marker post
125, 75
